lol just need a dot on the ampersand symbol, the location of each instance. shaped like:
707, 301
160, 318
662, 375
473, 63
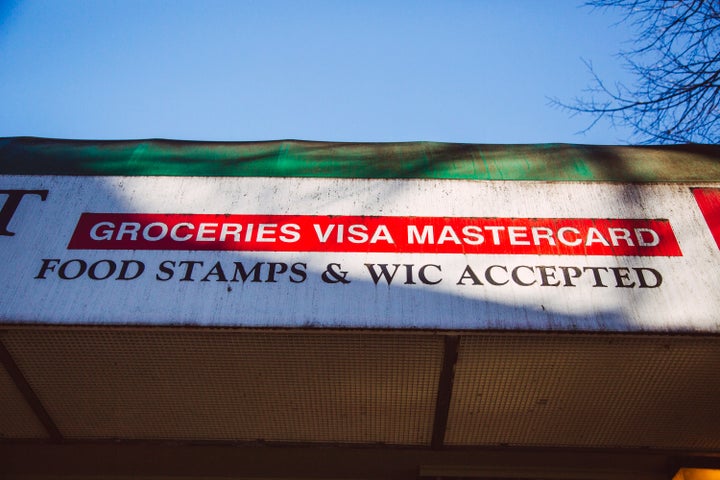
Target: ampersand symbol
333, 274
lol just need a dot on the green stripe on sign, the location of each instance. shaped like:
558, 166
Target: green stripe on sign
293, 158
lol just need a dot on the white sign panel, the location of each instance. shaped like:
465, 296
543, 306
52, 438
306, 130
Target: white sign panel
349, 253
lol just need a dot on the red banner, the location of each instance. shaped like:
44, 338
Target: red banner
316, 233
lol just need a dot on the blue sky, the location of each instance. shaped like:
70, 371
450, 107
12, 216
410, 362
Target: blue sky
453, 71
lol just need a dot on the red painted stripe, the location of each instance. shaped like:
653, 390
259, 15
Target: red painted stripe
708, 200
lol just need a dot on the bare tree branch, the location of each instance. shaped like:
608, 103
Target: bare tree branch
675, 57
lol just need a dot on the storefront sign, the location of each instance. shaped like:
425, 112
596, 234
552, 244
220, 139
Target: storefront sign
355, 253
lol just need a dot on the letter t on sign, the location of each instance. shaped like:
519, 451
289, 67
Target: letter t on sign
12, 203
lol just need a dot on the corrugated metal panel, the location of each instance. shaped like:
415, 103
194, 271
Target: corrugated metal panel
510, 389
17, 420
587, 391
232, 385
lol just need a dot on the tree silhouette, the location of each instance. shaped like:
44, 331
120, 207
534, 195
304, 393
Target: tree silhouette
675, 59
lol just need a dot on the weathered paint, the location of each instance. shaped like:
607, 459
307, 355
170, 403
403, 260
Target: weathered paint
45, 280
291, 158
